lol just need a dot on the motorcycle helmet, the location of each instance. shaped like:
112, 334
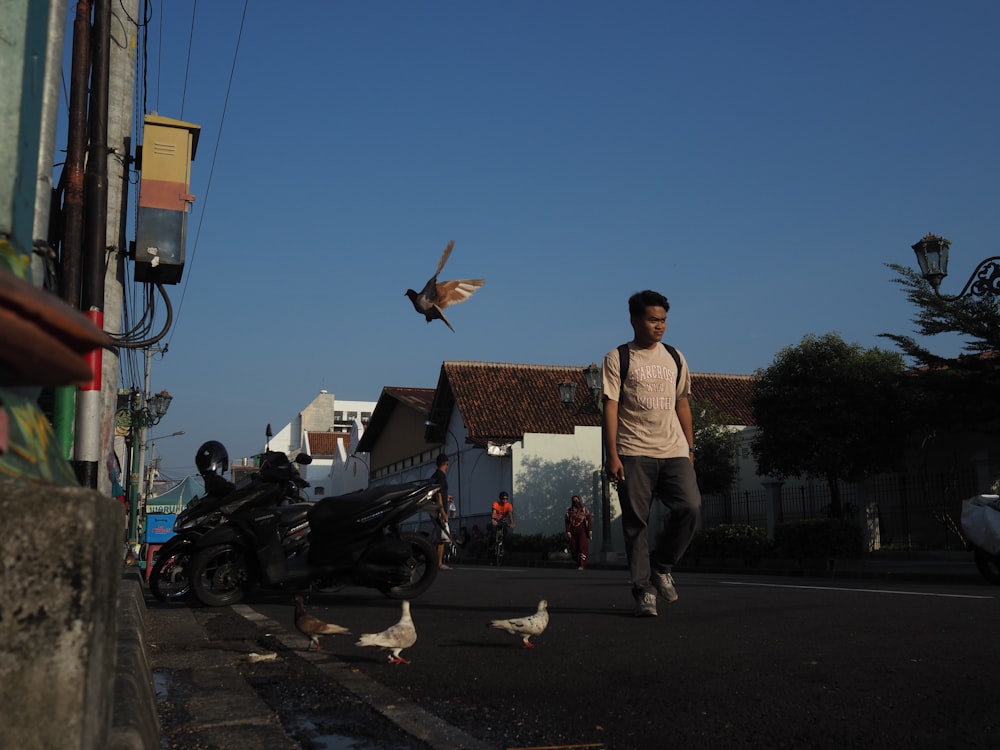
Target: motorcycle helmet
212, 458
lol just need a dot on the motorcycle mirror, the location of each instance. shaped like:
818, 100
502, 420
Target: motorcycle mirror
303, 458
268, 434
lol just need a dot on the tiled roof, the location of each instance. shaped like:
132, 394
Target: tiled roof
325, 443
730, 394
500, 402
418, 399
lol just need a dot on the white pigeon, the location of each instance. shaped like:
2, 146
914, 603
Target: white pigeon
313, 627
526, 626
401, 635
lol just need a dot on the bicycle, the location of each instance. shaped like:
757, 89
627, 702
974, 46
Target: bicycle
497, 546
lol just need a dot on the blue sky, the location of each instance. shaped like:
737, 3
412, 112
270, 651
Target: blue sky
757, 162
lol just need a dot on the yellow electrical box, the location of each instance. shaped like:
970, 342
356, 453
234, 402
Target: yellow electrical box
168, 148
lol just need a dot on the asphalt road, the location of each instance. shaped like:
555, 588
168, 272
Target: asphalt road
739, 661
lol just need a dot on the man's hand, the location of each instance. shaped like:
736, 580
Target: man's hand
615, 470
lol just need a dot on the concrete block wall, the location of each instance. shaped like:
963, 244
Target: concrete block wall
60, 575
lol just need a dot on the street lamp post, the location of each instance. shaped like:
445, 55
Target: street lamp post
141, 416
567, 393
932, 257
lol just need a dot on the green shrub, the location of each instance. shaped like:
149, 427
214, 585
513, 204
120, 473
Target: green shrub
730, 540
819, 537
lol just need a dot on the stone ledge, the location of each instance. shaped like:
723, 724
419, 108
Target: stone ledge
134, 724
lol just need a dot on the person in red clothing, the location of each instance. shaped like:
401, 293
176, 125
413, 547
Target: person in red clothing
579, 530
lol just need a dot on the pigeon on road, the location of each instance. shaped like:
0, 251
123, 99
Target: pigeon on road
526, 626
395, 639
313, 627
437, 295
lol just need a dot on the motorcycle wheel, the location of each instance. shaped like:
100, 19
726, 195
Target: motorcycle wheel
168, 580
219, 575
423, 568
989, 566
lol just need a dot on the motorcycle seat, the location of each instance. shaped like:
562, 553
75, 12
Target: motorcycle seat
337, 508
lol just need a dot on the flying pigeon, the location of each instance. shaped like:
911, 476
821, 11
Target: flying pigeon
437, 295
313, 627
526, 626
395, 639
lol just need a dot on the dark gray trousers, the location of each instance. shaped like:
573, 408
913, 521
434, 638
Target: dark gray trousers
673, 482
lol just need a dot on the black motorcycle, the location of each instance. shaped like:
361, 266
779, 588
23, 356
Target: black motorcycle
352, 539
169, 579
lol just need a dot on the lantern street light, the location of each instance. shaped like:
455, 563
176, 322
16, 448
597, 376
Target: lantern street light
567, 394
932, 256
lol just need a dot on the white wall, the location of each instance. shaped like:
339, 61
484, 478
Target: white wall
548, 470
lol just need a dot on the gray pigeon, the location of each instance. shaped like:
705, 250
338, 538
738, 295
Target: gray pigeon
401, 635
313, 627
437, 295
525, 627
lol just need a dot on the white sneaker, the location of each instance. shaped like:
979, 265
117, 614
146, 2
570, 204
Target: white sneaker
664, 583
645, 606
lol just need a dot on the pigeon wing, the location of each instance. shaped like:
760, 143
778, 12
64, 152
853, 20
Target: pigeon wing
452, 292
444, 257
401, 635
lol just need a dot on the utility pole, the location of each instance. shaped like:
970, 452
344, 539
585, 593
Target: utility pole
124, 38
71, 185
92, 262
87, 446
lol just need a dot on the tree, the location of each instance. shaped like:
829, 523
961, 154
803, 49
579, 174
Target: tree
716, 444
962, 392
832, 410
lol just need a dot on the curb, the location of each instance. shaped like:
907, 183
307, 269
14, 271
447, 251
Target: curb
134, 722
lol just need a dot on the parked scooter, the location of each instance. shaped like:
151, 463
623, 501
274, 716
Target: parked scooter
169, 579
351, 539
981, 528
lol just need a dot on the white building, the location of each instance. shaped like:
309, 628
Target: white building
327, 430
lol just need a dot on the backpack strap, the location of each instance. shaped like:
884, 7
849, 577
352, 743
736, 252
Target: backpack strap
623, 362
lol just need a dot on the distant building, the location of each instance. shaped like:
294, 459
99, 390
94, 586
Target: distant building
326, 429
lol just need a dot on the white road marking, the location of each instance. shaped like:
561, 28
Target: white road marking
864, 591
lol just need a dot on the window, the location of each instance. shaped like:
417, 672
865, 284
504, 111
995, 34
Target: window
318, 491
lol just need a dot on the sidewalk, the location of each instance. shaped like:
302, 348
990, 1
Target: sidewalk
220, 708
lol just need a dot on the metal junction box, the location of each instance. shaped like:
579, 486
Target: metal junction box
165, 198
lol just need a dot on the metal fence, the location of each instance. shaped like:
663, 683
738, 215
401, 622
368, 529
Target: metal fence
901, 511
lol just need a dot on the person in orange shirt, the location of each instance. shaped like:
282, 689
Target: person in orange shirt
503, 513
503, 510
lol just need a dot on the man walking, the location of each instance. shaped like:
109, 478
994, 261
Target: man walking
649, 442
